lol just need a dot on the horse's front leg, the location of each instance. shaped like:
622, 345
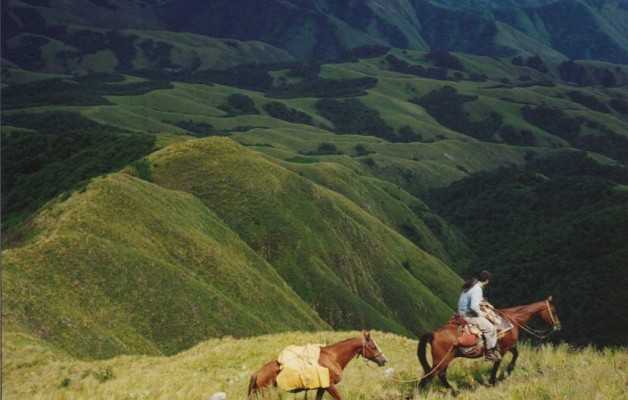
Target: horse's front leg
319, 393
515, 354
493, 379
334, 393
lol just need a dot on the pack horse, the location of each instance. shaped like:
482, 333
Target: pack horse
333, 358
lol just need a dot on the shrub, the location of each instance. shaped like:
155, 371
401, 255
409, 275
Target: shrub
323, 88
197, 129
306, 71
588, 101
366, 51
403, 67
517, 138
619, 105
238, 104
444, 59
280, 111
407, 135
535, 62
446, 105
361, 150
353, 117
158, 53
553, 121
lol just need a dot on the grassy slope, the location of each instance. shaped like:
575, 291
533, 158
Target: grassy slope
31, 369
129, 267
388, 202
314, 237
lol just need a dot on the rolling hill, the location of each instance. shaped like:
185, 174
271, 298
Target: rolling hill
150, 208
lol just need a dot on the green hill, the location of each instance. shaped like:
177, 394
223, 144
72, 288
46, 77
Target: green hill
130, 267
351, 267
97, 278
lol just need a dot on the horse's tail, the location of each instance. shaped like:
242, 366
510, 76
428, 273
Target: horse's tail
253, 384
421, 350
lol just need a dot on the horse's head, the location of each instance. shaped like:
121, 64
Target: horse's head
548, 314
371, 351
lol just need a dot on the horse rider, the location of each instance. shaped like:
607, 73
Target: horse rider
469, 308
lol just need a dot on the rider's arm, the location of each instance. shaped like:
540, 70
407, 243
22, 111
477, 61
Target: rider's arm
476, 298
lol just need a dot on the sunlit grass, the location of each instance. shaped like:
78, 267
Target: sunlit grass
31, 370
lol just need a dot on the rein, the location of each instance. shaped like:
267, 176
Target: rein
426, 375
537, 334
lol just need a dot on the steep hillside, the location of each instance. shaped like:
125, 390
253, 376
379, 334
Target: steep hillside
96, 277
129, 267
353, 269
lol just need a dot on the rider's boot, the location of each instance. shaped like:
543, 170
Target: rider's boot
492, 354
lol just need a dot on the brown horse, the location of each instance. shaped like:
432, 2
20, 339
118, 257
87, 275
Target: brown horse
444, 340
334, 357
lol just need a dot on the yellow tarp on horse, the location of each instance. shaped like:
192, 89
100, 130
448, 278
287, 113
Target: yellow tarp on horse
300, 369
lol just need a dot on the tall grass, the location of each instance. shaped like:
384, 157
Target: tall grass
32, 370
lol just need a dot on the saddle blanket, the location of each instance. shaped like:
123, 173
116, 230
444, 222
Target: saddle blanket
300, 368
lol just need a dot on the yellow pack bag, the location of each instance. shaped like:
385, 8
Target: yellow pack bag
300, 369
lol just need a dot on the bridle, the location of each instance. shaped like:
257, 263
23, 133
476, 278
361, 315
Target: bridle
372, 354
554, 321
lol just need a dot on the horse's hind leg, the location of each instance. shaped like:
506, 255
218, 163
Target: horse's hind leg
427, 379
443, 378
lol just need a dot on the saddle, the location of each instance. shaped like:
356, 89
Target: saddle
469, 339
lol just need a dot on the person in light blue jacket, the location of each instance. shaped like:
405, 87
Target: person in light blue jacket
469, 308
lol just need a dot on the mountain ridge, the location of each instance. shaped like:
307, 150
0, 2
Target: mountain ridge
318, 29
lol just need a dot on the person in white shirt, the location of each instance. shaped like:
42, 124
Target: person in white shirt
469, 308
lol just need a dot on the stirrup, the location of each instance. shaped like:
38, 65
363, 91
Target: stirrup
492, 354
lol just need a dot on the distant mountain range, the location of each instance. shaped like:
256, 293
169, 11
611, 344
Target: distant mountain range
307, 29
348, 193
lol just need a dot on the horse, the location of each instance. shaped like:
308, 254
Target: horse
334, 357
445, 348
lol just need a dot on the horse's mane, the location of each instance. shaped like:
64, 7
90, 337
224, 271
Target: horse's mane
517, 309
343, 341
